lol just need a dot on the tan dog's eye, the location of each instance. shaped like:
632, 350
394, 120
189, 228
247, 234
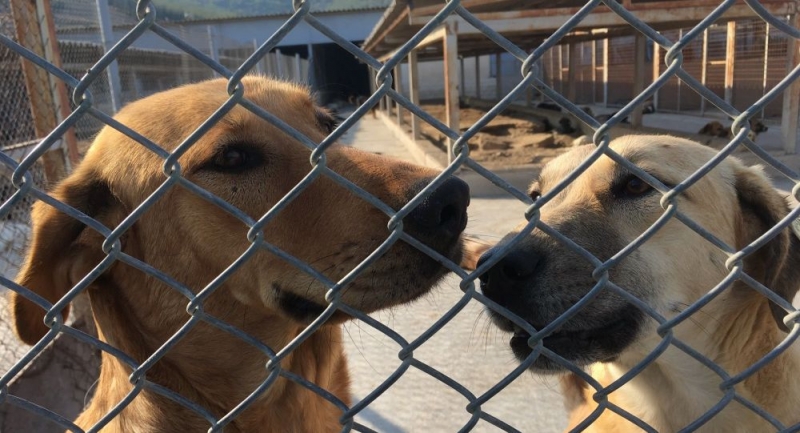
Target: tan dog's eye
534, 194
635, 187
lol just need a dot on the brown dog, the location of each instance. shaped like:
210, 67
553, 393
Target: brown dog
603, 211
716, 129
250, 164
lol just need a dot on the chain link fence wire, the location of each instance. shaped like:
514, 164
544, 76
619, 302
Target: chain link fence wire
88, 104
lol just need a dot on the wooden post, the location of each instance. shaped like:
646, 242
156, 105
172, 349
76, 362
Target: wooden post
413, 91
498, 77
478, 77
594, 71
766, 66
561, 69
48, 98
451, 90
463, 82
790, 119
398, 87
730, 61
678, 90
656, 71
572, 69
605, 72
638, 77
704, 70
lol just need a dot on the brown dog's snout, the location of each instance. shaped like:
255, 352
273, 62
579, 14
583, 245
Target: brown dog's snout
444, 212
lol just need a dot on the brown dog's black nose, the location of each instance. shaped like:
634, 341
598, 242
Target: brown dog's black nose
444, 212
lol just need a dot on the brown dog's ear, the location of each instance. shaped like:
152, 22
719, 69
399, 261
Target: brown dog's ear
473, 250
63, 250
776, 264
705, 130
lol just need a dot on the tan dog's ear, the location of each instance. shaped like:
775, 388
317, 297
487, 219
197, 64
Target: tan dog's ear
62, 251
473, 250
776, 264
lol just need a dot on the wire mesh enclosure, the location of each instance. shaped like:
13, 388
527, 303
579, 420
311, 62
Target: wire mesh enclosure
83, 72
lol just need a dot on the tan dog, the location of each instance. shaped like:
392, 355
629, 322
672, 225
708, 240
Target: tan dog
250, 164
604, 210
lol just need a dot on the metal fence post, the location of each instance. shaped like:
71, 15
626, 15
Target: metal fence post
212, 45
298, 73
107, 36
260, 63
280, 62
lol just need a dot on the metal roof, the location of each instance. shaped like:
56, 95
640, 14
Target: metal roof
332, 6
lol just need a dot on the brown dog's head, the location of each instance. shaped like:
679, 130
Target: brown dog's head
252, 165
607, 208
714, 129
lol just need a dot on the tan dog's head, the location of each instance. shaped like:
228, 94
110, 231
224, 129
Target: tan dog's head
252, 165
607, 208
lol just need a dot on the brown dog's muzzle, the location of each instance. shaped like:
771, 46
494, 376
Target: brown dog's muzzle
443, 215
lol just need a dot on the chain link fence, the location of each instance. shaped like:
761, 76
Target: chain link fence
21, 178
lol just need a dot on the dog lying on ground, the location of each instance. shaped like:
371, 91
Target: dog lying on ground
716, 129
603, 211
358, 100
250, 164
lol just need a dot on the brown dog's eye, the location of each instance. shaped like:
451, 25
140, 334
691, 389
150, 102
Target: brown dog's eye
234, 158
231, 158
635, 187
534, 194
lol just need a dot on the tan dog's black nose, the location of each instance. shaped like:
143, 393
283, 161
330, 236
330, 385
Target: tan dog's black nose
508, 276
443, 213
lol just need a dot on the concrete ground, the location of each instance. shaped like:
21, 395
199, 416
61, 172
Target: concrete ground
468, 349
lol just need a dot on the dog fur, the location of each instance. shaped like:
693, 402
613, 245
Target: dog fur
604, 210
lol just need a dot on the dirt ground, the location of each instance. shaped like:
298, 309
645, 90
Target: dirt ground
506, 141
521, 139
